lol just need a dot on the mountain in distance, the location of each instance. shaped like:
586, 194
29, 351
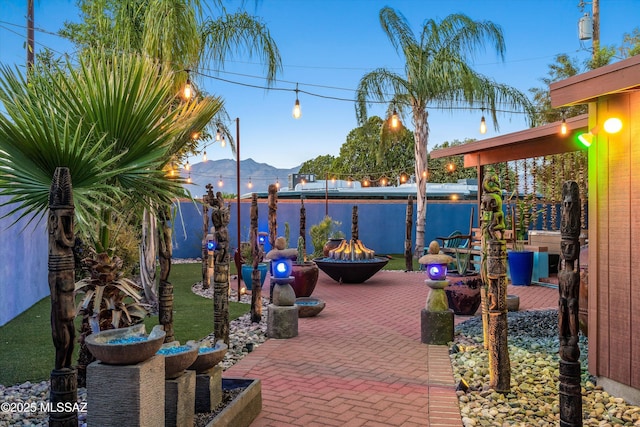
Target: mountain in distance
222, 175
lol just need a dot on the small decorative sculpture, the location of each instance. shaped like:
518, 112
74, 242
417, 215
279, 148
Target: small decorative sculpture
207, 200
568, 326
273, 218
256, 252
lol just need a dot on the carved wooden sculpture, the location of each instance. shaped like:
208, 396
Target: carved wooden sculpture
165, 251
408, 256
61, 285
273, 218
569, 289
354, 223
207, 200
256, 288
494, 272
220, 217
303, 220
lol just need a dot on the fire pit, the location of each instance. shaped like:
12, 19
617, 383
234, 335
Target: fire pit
356, 271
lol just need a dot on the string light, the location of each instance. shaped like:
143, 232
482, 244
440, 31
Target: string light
189, 179
451, 167
218, 134
277, 183
563, 125
395, 121
187, 166
483, 123
204, 155
223, 142
220, 181
187, 92
297, 111
250, 184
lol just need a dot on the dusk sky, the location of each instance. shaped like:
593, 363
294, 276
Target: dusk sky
327, 46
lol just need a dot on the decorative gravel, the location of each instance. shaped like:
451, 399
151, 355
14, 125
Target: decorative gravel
533, 400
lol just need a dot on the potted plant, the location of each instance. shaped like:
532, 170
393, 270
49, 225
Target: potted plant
463, 295
520, 260
305, 273
246, 254
324, 235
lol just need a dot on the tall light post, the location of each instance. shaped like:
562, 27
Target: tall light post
238, 190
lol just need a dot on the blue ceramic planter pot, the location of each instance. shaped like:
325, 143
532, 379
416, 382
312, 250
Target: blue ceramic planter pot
247, 269
520, 267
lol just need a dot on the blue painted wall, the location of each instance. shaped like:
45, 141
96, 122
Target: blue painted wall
381, 223
23, 264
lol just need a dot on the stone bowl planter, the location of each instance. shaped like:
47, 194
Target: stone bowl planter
208, 357
351, 271
309, 307
177, 357
125, 346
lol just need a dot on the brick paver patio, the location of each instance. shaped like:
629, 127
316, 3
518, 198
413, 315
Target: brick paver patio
360, 362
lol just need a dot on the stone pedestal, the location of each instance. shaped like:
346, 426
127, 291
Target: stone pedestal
139, 400
208, 390
180, 400
282, 321
436, 327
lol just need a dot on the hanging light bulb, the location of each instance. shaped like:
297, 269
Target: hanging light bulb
223, 142
204, 155
187, 92
195, 135
424, 174
483, 124
349, 182
218, 134
187, 166
366, 182
451, 167
297, 111
220, 181
395, 121
189, 179
383, 181
250, 184
563, 127
277, 183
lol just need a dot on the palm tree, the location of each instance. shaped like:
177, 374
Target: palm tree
437, 75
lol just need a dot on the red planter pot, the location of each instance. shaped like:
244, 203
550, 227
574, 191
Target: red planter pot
305, 278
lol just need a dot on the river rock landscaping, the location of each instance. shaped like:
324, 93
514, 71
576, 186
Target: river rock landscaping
533, 400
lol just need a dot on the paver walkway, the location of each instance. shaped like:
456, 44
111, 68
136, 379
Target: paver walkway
360, 362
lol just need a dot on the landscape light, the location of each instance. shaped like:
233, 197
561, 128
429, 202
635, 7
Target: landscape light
281, 268
612, 125
437, 271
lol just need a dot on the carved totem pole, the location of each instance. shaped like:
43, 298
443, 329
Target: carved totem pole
61, 285
303, 221
165, 252
207, 200
273, 218
256, 252
494, 275
220, 217
568, 326
354, 223
408, 255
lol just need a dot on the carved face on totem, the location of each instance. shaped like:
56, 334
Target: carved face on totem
60, 225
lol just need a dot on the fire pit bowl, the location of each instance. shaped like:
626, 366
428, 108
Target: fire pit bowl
351, 271
177, 357
125, 346
208, 357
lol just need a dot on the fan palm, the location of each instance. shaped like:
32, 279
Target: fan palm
111, 120
437, 75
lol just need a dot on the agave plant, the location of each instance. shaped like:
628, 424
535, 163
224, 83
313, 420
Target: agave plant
110, 300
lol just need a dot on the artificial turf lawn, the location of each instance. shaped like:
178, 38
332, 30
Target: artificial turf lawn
26, 346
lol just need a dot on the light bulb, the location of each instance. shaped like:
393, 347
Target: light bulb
189, 180
204, 156
297, 112
613, 125
395, 122
250, 184
483, 126
218, 134
187, 166
220, 182
187, 89
223, 142
563, 127
195, 136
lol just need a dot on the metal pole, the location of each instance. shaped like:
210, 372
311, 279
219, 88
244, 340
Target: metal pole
238, 189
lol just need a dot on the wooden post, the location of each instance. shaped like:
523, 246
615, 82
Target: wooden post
568, 326
256, 285
408, 256
207, 200
494, 272
273, 218
61, 285
303, 221
220, 218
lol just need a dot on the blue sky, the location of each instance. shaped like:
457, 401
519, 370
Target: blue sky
328, 45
